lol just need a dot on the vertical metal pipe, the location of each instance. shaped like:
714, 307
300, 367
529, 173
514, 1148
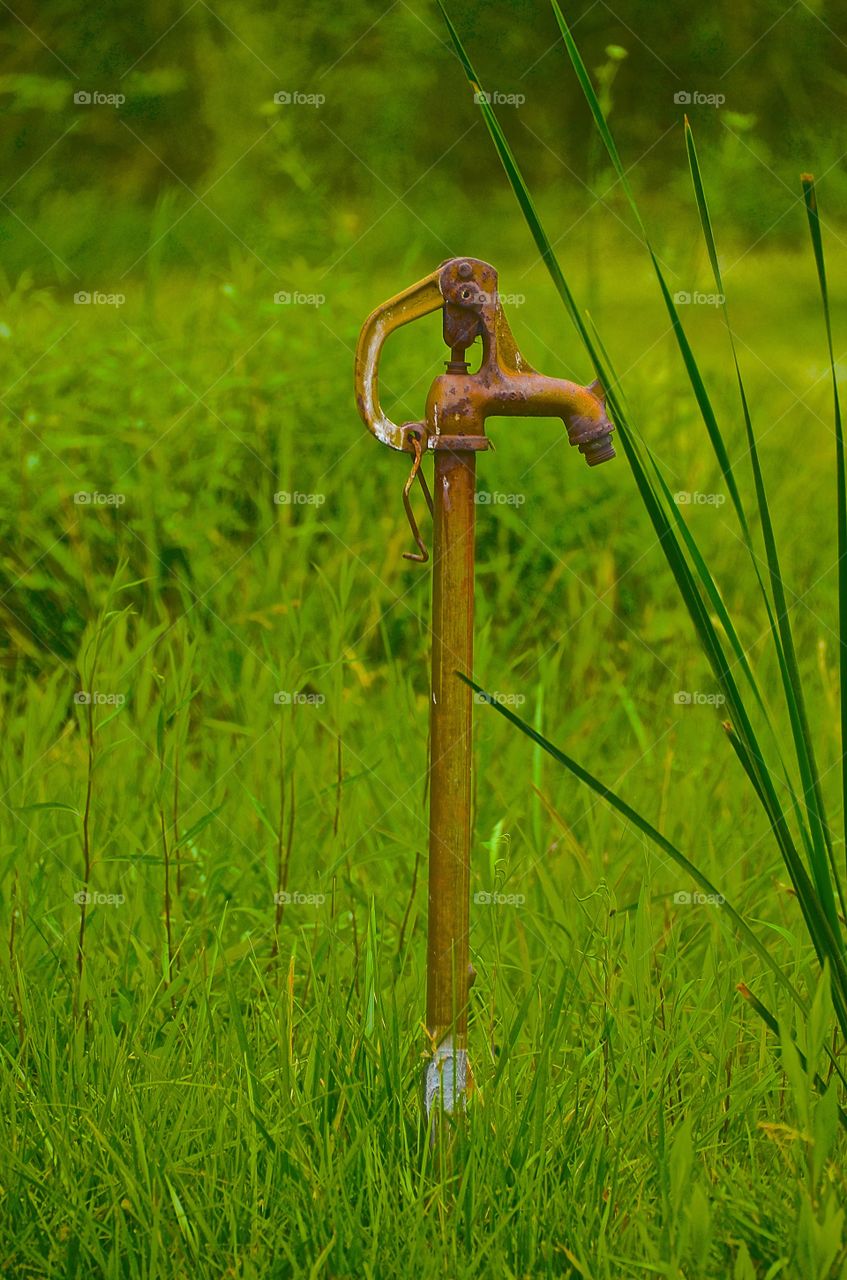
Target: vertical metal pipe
450, 777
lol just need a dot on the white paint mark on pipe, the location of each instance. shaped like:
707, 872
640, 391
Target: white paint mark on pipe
446, 1081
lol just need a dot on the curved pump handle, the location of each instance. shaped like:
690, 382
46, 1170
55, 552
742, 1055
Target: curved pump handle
455, 287
418, 300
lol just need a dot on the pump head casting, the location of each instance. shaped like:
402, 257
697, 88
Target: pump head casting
459, 402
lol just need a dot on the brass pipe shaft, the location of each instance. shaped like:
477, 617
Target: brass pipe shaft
450, 759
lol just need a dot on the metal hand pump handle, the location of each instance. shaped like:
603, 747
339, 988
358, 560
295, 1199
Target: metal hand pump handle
457, 407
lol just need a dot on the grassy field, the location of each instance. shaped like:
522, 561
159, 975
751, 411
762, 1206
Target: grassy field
231, 1088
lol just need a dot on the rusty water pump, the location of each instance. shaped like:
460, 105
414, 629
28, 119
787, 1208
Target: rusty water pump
457, 407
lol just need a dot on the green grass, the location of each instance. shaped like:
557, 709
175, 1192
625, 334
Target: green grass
258, 1115
233, 1090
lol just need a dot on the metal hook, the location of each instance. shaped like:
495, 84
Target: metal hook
422, 555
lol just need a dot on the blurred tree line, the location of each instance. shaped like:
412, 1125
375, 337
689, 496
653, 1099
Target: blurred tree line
375, 111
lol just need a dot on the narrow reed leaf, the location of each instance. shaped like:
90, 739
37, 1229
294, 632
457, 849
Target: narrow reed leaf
815, 836
698, 386
641, 823
810, 198
772, 1025
821, 855
597, 111
521, 191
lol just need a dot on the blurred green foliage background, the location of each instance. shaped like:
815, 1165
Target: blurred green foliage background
199, 140
257, 1096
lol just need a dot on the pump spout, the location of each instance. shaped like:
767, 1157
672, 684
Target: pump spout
581, 409
505, 385
459, 404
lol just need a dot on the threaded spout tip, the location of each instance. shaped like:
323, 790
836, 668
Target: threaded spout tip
599, 450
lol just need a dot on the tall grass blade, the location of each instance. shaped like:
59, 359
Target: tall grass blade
522, 194
810, 198
771, 1023
822, 851
646, 828
697, 384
